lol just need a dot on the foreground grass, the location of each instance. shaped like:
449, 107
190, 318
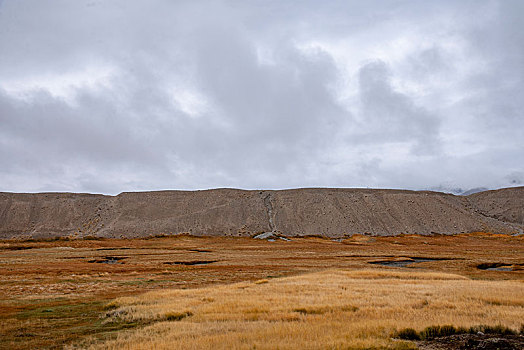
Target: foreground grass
51, 295
330, 309
50, 323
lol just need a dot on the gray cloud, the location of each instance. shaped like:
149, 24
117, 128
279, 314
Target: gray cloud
126, 95
393, 117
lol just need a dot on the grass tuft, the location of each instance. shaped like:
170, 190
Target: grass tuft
319, 310
433, 332
498, 329
177, 316
310, 311
407, 334
112, 305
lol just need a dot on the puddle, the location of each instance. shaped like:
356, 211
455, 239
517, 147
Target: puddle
109, 260
193, 262
495, 267
404, 262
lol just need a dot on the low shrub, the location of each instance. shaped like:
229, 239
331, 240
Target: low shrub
407, 334
498, 329
433, 332
111, 305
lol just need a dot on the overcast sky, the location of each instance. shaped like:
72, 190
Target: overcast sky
110, 96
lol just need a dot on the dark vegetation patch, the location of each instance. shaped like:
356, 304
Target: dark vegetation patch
16, 247
407, 334
47, 239
172, 235
93, 238
309, 311
114, 315
322, 310
192, 262
121, 248
51, 239
177, 316
162, 235
109, 260
433, 332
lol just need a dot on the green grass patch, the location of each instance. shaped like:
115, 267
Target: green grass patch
53, 323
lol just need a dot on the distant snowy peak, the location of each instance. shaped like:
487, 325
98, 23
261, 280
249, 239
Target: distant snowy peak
473, 190
458, 191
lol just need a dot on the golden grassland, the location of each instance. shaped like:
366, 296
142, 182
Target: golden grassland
306, 293
333, 309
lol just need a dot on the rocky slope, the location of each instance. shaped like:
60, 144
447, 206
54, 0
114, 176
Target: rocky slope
231, 212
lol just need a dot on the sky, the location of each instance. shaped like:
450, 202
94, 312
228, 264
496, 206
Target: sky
112, 96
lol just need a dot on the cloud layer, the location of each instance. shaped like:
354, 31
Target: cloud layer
111, 96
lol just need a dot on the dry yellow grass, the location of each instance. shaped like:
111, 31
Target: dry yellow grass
52, 296
333, 309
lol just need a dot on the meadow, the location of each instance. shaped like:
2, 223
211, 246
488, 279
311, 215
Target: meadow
311, 293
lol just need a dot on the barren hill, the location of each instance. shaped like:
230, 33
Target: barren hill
231, 212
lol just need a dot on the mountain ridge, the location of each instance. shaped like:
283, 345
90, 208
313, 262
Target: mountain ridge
329, 212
